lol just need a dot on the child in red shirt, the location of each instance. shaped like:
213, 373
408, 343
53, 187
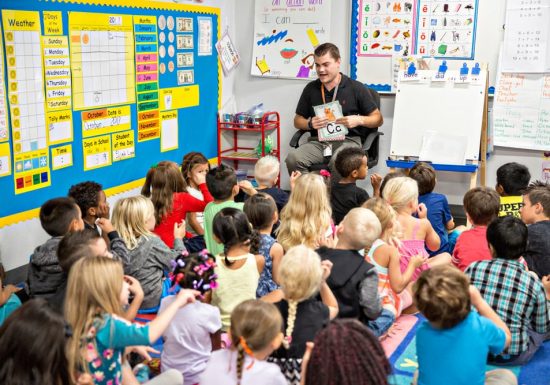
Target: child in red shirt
481, 205
165, 185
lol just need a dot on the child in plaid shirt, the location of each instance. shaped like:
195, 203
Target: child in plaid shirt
519, 298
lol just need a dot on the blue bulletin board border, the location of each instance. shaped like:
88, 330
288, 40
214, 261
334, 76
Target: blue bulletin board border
126, 174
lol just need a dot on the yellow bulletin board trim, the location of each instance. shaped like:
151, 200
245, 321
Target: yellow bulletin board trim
31, 214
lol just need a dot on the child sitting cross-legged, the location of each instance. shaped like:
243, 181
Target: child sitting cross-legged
353, 280
444, 296
351, 164
481, 205
535, 213
418, 235
517, 296
302, 277
255, 334
393, 285
195, 330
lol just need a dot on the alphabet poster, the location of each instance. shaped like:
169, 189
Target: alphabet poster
286, 33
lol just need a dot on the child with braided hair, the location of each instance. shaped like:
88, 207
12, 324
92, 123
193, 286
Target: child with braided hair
347, 353
239, 266
302, 276
195, 330
255, 333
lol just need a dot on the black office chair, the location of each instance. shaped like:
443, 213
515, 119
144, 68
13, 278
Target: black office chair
371, 144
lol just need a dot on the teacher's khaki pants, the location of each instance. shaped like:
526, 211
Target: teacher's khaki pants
301, 158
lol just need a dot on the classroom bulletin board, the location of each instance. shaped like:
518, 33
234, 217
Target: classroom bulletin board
453, 30
101, 90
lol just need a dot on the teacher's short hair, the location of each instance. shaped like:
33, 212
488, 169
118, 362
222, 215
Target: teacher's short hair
325, 48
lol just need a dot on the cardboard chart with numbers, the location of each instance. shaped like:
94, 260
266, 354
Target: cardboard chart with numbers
101, 91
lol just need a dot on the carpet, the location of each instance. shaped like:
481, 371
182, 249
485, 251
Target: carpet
400, 348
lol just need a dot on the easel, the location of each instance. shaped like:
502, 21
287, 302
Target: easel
473, 167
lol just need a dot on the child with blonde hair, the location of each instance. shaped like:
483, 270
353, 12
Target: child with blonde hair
266, 173
193, 166
417, 234
134, 218
96, 293
307, 217
255, 334
302, 277
239, 266
384, 255
167, 188
261, 211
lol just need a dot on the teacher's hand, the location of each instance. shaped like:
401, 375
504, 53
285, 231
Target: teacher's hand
318, 123
350, 121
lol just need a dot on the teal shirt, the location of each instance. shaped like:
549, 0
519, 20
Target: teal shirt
210, 212
9, 307
105, 343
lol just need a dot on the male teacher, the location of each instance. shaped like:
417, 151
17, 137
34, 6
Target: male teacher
361, 115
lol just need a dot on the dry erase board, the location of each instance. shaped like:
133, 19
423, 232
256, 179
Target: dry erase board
408, 26
101, 90
429, 110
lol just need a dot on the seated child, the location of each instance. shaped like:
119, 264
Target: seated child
378, 183
262, 214
481, 205
384, 254
353, 280
92, 201
58, 216
222, 184
194, 332
444, 296
238, 266
351, 164
193, 167
512, 179
266, 173
88, 243
8, 300
255, 333
134, 218
347, 353
418, 235
439, 213
165, 186
517, 296
302, 276
535, 213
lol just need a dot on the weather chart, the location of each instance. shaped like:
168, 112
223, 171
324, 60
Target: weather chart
101, 90
286, 33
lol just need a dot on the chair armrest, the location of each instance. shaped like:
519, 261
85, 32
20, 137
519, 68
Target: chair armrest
370, 139
295, 141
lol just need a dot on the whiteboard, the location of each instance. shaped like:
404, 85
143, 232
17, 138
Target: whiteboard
376, 72
446, 108
286, 32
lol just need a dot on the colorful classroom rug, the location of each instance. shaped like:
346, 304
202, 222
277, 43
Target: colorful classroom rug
400, 348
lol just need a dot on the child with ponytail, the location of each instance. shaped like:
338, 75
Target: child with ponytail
302, 276
255, 334
239, 266
167, 188
194, 332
